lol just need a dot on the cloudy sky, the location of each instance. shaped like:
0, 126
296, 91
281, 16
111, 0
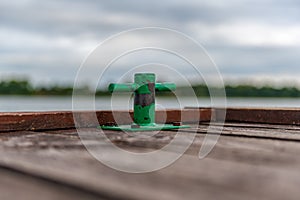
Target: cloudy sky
47, 41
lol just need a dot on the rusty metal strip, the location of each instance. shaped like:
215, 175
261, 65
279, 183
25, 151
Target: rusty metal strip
64, 120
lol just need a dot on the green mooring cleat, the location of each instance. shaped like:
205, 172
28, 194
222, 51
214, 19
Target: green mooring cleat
144, 88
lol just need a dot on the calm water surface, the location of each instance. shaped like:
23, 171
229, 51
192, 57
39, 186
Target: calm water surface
20, 103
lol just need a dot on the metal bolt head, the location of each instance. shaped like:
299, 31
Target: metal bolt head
110, 124
177, 123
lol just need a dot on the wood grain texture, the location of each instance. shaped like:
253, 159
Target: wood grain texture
16, 184
281, 116
250, 161
65, 119
289, 116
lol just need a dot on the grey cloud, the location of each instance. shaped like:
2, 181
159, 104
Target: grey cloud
90, 17
94, 20
256, 60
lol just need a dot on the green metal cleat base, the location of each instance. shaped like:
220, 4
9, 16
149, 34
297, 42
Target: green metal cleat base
134, 128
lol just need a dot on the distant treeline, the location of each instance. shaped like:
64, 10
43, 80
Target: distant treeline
251, 91
24, 87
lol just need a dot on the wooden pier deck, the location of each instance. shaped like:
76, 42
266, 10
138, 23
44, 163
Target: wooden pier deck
256, 157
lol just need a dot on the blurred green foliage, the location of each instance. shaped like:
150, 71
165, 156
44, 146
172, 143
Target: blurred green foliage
21, 87
266, 91
24, 87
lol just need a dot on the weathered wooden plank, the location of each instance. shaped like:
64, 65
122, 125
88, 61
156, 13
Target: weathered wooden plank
68, 139
188, 178
258, 133
63, 139
65, 119
288, 116
238, 167
262, 115
15, 184
255, 125
275, 153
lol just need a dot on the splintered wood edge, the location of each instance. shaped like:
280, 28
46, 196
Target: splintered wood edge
36, 121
